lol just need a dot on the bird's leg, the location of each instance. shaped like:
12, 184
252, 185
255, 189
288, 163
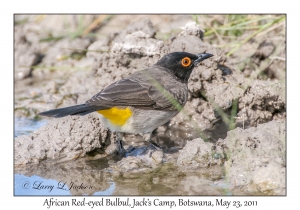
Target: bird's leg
147, 137
119, 143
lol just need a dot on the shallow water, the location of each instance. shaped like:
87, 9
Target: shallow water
24, 126
85, 177
95, 177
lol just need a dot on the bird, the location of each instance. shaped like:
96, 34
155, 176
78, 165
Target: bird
142, 101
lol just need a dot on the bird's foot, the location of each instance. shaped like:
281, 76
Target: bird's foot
156, 146
120, 151
147, 137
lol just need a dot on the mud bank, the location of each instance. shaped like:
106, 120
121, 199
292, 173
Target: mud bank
74, 137
256, 158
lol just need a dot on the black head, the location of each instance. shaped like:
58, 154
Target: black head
181, 64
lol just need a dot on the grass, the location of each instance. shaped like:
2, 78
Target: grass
260, 29
230, 32
81, 30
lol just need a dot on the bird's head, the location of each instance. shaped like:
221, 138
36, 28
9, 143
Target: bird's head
181, 64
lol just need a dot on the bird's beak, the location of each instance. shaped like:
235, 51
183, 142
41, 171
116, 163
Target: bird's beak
202, 57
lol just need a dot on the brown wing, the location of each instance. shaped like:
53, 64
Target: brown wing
138, 90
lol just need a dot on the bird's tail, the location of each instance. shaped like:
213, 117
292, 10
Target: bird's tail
81, 109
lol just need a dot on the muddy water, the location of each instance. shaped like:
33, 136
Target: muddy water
83, 177
92, 176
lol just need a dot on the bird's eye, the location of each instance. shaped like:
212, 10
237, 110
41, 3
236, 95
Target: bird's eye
186, 61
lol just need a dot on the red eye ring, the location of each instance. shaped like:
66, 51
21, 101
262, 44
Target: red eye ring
186, 61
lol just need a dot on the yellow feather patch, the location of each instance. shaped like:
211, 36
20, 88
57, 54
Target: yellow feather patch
116, 115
